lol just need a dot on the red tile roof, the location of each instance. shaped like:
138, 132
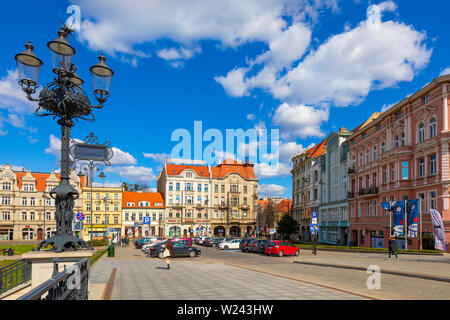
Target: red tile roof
176, 169
317, 150
284, 206
136, 197
41, 179
232, 166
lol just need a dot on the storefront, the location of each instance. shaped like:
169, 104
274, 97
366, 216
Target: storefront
377, 239
6, 234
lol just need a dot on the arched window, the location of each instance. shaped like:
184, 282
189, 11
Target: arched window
316, 176
367, 155
403, 139
421, 132
360, 159
375, 153
383, 147
353, 161
432, 127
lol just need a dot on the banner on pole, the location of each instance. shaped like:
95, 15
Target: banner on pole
438, 230
399, 219
413, 218
386, 205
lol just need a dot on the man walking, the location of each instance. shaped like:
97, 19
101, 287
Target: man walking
393, 248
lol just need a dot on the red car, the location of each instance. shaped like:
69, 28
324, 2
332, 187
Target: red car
281, 248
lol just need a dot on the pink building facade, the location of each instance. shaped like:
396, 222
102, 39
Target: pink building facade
402, 153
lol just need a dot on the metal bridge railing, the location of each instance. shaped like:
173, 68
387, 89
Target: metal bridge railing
14, 275
69, 284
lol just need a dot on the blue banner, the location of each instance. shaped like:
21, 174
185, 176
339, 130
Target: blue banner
386, 205
413, 218
399, 219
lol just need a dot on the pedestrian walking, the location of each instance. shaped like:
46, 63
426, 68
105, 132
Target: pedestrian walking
393, 247
168, 252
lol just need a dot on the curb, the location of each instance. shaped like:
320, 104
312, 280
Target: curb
396, 273
369, 251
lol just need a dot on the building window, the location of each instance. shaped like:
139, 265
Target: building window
116, 196
141, 215
24, 201
133, 216
383, 147
216, 214
216, 188
206, 187
48, 201
421, 197
106, 221
6, 215
97, 207
374, 210
127, 216
170, 186
178, 186
160, 217
392, 172
6, 186
116, 220
6, 201
199, 187
88, 206
32, 216
375, 153
97, 219
367, 156
245, 189
24, 216
379, 127
188, 174
88, 219
402, 141
432, 127
433, 169
97, 195
360, 159
421, 132
32, 201
421, 167
106, 207
48, 216
222, 188
364, 135
396, 142
360, 209
426, 99
170, 214
404, 170
116, 207
433, 200
368, 209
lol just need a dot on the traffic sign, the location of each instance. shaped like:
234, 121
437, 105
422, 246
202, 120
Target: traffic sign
111, 230
146, 220
314, 228
80, 216
272, 231
314, 214
136, 225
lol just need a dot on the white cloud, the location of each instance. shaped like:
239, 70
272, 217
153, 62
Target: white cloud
158, 157
121, 157
345, 68
108, 184
445, 72
299, 121
251, 116
13, 103
176, 54
271, 190
133, 174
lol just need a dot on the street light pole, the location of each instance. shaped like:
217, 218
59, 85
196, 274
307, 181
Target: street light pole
64, 99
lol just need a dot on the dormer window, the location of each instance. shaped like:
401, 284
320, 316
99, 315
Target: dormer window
399, 114
188, 174
6, 186
426, 99
130, 204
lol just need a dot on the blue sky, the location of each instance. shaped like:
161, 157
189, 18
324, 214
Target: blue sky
305, 67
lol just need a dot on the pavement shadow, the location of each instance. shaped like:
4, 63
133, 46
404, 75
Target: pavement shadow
162, 268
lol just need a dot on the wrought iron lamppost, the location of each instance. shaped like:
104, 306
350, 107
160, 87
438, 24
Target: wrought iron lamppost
63, 98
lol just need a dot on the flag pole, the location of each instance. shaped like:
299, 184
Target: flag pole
420, 222
405, 230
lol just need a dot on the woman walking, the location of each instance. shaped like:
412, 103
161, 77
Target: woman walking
168, 252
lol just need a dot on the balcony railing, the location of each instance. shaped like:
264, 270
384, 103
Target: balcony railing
350, 195
351, 170
368, 191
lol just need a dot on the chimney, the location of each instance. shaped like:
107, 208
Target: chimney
341, 130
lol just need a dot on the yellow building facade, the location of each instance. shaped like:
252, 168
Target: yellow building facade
102, 208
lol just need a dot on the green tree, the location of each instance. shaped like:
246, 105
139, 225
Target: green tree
287, 225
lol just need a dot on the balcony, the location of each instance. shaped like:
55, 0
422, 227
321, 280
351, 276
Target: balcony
351, 170
244, 207
223, 205
351, 195
368, 192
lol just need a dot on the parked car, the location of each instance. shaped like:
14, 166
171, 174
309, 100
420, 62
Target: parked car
281, 248
185, 241
254, 245
179, 249
204, 240
260, 246
231, 244
244, 243
141, 242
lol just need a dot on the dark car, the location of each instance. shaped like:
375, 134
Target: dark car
179, 249
260, 246
254, 244
216, 242
142, 241
244, 243
209, 242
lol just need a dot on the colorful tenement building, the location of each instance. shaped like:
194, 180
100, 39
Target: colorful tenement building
402, 153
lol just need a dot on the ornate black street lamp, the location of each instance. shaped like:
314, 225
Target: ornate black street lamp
63, 98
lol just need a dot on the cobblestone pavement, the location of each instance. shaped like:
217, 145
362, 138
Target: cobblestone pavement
199, 278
